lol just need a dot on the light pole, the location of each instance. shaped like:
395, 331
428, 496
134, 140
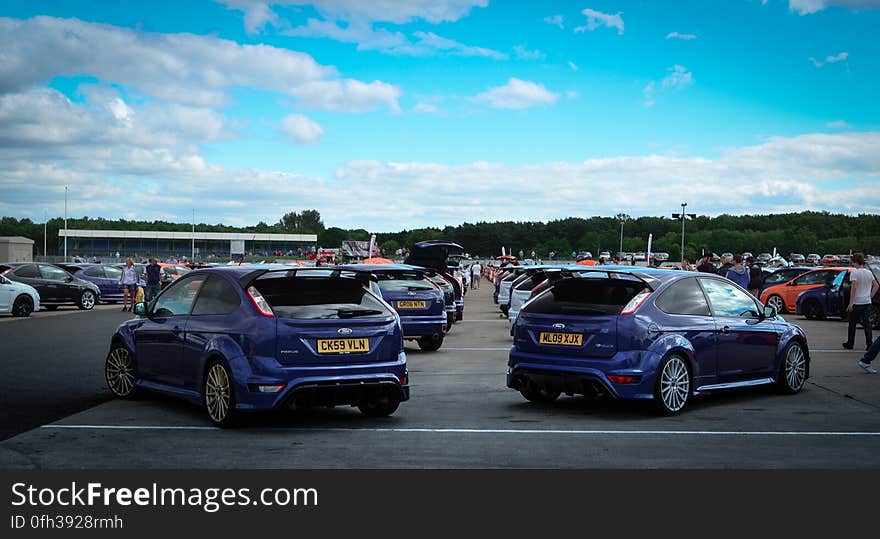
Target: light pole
192, 255
622, 217
45, 223
65, 223
683, 216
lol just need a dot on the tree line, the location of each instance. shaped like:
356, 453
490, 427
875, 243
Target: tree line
804, 232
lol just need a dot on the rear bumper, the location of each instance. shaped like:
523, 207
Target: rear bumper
424, 326
581, 376
325, 386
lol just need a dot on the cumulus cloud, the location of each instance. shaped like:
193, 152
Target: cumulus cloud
684, 37
517, 94
181, 68
301, 129
596, 19
426, 107
679, 77
838, 124
841, 57
807, 7
556, 20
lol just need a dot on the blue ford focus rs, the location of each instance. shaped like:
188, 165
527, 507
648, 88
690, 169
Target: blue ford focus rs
660, 336
234, 339
419, 301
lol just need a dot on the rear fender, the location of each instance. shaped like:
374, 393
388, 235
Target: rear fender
667, 345
229, 352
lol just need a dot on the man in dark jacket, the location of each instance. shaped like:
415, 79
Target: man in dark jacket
706, 265
738, 273
756, 277
726, 264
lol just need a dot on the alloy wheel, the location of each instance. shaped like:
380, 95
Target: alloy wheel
675, 384
217, 393
795, 368
119, 373
87, 301
777, 303
22, 307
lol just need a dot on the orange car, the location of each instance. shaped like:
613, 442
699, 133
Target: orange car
784, 296
174, 270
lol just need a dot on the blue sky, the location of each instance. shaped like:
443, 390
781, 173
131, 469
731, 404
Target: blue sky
398, 114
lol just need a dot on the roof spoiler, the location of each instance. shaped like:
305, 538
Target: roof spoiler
334, 273
651, 282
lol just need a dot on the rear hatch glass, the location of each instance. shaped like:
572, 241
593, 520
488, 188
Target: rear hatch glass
589, 296
319, 298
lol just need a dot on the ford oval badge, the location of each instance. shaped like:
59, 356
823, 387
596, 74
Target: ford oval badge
344, 331
559, 325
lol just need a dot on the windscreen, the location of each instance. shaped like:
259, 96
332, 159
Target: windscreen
586, 296
403, 282
318, 297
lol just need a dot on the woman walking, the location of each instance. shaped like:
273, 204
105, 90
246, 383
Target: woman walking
129, 283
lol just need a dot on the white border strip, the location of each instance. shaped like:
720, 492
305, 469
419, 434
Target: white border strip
496, 431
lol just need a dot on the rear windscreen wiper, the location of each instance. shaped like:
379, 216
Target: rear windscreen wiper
351, 313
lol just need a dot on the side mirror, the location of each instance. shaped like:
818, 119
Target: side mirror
770, 311
140, 308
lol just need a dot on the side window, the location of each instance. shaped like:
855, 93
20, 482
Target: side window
178, 298
684, 297
113, 273
29, 271
813, 277
217, 297
728, 300
52, 273
94, 271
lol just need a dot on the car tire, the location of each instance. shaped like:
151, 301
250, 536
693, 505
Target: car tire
87, 300
382, 407
119, 372
23, 306
539, 395
813, 311
50, 307
428, 344
793, 369
673, 388
218, 395
777, 302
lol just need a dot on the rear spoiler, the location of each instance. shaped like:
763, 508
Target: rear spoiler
332, 273
651, 282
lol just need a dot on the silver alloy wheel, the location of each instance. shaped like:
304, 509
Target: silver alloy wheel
217, 393
777, 303
795, 367
675, 384
119, 373
87, 300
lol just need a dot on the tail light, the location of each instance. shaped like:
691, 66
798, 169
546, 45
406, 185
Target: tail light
260, 302
634, 303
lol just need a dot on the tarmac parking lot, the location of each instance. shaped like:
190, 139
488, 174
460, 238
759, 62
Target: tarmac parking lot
59, 414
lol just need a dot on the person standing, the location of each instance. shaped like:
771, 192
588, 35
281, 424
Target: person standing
756, 277
153, 278
706, 265
129, 282
726, 264
863, 287
738, 273
476, 273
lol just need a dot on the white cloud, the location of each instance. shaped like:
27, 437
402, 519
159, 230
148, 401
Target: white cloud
807, 7
301, 128
556, 20
573, 66
181, 68
841, 57
678, 78
348, 95
426, 107
517, 94
429, 44
523, 53
684, 37
596, 19
838, 124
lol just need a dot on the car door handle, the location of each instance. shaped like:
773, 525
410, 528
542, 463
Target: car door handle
725, 330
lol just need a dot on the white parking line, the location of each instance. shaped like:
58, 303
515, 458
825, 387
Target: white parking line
498, 431
478, 349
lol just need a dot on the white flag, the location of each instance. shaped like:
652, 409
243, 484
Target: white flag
650, 239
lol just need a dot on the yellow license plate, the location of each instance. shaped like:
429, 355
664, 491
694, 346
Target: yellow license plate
567, 339
343, 346
411, 304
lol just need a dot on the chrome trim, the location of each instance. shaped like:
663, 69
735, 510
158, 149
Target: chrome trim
731, 385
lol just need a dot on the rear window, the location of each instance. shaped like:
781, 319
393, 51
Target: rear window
684, 297
318, 297
586, 296
29, 271
403, 283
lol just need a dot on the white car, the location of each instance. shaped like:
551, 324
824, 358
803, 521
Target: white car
16, 298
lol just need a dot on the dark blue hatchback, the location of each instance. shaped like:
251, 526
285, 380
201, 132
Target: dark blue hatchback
234, 339
657, 335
